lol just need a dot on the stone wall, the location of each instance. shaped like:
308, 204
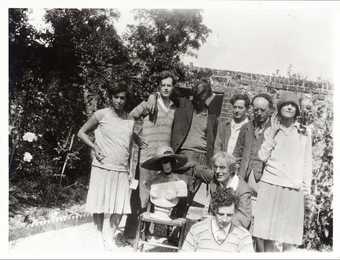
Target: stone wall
231, 82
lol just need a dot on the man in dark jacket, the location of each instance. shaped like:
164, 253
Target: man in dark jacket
250, 140
193, 135
228, 130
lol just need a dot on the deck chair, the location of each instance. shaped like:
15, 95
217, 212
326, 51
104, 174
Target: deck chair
146, 219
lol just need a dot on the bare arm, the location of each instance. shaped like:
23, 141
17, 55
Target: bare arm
90, 125
204, 173
144, 108
139, 111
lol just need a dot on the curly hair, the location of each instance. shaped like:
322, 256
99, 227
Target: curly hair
222, 197
167, 74
243, 97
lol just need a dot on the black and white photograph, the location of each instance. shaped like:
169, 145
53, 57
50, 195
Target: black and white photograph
189, 131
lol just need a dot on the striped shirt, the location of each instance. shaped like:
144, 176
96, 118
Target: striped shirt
158, 133
200, 238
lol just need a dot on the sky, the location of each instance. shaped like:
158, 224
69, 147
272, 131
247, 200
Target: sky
261, 37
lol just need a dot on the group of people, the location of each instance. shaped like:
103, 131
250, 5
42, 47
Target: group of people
256, 167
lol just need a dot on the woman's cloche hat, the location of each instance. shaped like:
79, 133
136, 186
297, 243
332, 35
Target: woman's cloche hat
288, 98
163, 153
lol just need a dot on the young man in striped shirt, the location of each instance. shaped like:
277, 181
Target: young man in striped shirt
156, 132
217, 233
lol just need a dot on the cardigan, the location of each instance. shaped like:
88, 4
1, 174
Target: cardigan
288, 158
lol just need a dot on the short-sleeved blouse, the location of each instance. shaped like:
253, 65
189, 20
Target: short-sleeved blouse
113, 136
166, 190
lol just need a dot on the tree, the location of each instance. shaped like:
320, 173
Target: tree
50, 73
88, 49
159, 40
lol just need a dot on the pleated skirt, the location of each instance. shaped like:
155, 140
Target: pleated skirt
279, 214
108, 192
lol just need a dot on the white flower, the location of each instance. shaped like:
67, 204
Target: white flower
30, 137
28, 157
10, 128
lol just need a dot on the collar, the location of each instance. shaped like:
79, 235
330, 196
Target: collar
164, 107
233, 182
209, 100
220, 235
285, 130
235, 125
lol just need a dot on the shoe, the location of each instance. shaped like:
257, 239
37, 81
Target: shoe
130, 241
121, 241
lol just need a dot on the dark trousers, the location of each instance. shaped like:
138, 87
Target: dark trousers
193, 182
138, 201
136, 209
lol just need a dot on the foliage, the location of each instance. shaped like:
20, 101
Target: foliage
319, 217
48, 97
157, 42
59, 77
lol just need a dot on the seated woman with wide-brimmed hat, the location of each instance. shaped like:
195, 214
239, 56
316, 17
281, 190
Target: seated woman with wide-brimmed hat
165, 187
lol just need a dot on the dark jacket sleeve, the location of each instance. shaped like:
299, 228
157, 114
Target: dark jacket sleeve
219, 136
240, 144
239, 151
243, 212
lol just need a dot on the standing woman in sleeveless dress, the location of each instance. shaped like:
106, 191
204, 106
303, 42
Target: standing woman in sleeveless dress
109, 182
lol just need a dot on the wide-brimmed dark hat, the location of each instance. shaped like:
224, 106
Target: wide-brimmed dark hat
164, 152
288, 98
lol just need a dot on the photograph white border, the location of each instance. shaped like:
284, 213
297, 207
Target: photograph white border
148, 4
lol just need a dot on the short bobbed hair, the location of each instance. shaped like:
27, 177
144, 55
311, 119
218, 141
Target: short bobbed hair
223, 197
